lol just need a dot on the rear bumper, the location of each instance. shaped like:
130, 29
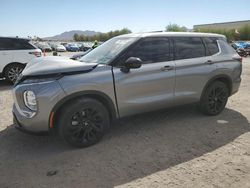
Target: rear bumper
236, 86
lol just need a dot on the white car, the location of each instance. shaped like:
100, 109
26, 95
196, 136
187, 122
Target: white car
60, 48
15, 53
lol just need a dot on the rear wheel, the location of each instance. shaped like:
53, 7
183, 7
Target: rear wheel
215, 98
13, 71
83, 122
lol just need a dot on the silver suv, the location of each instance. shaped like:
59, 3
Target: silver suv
126, 75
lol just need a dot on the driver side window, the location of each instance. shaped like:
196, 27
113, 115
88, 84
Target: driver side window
151, 50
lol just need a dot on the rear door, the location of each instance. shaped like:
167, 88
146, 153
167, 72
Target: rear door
194, 65
6, 55
151, 86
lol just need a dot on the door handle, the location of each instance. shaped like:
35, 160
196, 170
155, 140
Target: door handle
167, 68
209, 62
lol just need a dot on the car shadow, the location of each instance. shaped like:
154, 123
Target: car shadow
134, 148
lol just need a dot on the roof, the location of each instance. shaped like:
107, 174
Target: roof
173, 34
15, 38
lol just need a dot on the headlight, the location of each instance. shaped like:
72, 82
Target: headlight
30, 100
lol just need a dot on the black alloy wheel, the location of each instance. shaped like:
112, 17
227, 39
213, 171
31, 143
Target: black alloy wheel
83, 122
215, 98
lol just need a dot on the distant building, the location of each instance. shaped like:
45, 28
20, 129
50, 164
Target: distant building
224, 25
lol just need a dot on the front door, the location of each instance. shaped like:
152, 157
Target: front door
151, 86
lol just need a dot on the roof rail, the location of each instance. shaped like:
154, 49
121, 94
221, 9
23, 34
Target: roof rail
154, 32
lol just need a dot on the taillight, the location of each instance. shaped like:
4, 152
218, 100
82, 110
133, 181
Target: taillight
37, 54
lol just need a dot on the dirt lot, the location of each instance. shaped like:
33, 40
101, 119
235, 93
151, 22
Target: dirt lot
172, 148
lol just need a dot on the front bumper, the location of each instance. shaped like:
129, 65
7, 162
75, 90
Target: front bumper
21, 128
47, 96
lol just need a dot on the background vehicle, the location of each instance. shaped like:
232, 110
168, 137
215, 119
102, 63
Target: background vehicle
72, 47
44, 46
126, 75
247, 48
80, 55
241, 48
15, 53
242, 52
58, 47
84, 48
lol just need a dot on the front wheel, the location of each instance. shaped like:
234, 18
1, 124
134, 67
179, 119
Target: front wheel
83, 122
214, 98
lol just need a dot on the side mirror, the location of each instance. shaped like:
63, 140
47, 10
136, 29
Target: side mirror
131, 63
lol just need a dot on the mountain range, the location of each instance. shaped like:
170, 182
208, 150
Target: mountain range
68, 35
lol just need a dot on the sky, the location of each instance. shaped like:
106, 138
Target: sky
45, 18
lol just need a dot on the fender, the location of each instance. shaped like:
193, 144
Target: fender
221, 77
102, 97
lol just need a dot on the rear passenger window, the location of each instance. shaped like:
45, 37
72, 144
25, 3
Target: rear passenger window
152, 50
5, 44
211, 46
188, 47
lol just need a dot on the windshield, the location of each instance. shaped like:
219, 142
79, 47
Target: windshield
107, 51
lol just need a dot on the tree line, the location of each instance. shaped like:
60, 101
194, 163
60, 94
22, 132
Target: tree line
102, 36
242, 33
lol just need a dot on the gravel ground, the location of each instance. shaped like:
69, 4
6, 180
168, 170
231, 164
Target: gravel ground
170, 148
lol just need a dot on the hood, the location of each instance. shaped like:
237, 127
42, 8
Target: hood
55, 65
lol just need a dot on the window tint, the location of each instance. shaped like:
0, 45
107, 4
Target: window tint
211, 46
15, 44
225, 47
188, 47
5, 44
22, 45
152, 50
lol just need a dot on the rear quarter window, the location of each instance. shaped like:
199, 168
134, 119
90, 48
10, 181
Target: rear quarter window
22, 45
225, 47
211, 46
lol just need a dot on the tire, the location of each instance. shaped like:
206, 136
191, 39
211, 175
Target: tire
83, 122
13, 71
214, 98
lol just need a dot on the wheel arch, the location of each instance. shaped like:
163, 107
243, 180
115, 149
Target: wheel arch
100, 96
12, 63
223, 78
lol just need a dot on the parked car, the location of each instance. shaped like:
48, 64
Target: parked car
239, 49
80, 55
58, 48
247, 48
84, 48
126, 75
242, 48
72, 47
44, 46
15, 53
